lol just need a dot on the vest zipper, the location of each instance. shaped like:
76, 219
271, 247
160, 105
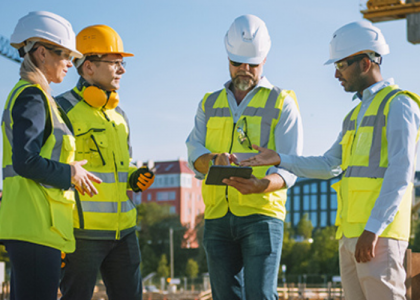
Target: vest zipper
117, 233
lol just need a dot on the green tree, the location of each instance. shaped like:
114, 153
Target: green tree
163, 269
191, 270
305, 227
324, 252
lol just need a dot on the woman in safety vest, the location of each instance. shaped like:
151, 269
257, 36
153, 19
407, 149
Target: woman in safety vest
36, 219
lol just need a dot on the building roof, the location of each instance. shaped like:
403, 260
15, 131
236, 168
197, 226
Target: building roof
172, 167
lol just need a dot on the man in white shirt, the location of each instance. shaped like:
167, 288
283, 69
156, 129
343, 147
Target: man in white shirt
376, 150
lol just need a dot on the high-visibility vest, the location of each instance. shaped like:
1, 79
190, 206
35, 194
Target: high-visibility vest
31, 211
102, 139
365, 161
262, 115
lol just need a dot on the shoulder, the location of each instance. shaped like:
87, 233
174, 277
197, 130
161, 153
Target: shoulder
68, 100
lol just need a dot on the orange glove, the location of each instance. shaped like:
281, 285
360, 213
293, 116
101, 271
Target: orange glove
141, 179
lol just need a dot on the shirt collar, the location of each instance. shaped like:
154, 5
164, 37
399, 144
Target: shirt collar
263, 82
373, 89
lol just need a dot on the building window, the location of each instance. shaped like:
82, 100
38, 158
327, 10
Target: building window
164, 196
323, 221
333, 216
296, 218
333, 201
172, 210
306, 202
314, 219
296, 203
149, 196
324, 201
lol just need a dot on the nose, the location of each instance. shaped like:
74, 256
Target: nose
244, 67
337, 74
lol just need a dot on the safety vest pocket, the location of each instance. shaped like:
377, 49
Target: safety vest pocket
337, 187
61, 210
98, 147
69, 147
360, 205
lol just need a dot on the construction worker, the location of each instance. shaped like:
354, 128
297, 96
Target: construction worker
243, 231
105, 225
376, 150
38, 160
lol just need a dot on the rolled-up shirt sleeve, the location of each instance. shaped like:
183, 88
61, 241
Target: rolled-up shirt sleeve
29, 119
196, 141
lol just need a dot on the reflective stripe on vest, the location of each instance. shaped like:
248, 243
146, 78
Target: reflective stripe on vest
106, 207
267, 113
44, 214
102, 140
365, 161
377, 122
262, 114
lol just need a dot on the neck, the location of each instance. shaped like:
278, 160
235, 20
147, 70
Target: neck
238, 94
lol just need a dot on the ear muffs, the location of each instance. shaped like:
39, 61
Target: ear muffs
96, 97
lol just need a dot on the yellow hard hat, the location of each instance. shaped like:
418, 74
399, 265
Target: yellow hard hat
100, 39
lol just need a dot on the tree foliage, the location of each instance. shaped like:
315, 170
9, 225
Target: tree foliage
191, 270
163, 269
305, 227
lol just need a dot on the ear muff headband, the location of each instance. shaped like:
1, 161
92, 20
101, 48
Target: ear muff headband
97, 98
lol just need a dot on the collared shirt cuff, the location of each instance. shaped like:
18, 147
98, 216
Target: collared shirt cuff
375, 226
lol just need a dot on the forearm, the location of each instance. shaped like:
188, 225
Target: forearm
273, 182
202, 164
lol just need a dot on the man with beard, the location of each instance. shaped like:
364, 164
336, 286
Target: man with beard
243, 232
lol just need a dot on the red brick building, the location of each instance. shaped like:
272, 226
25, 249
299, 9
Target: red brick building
175, 185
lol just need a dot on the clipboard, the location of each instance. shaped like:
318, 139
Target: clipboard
218, 173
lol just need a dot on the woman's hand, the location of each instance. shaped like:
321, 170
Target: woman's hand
266, 157
82, 179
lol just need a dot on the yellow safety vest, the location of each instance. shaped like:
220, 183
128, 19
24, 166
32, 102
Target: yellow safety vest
262, 114
102, 139
365, 161
31, 211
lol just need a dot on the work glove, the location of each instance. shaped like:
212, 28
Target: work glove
141, 179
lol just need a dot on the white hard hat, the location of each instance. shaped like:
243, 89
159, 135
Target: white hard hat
247, 40
357, 37
47, 26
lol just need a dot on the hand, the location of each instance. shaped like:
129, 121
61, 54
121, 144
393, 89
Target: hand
82, 179
141, 179
366, 247
225, 159
252, 185
266, 157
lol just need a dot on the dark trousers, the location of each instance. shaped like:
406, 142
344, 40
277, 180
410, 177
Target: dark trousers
35, 271
119, 264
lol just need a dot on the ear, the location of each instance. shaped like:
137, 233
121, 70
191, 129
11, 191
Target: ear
40, 55
366, 64
88, 67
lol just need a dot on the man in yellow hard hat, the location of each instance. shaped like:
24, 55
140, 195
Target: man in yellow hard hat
104, 226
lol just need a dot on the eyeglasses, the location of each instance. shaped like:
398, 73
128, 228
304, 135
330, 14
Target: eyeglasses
237, 64
343, 64
241, 128
117, 64
64, 54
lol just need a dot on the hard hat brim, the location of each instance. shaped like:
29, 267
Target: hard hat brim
246, 60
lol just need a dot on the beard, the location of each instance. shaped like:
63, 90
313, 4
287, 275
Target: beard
244, 84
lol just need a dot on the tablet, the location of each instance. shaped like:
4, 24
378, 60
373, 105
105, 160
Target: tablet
218, 173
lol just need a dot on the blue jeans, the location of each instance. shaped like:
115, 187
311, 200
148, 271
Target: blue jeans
243, 256
119, 264
35, 270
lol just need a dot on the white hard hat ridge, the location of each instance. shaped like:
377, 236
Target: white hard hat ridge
247, 40
44, 25
356, 37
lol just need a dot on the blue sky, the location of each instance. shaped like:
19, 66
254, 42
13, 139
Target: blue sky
180, 55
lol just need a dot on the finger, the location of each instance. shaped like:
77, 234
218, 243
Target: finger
92, 188
82, 162
256, 147
93, 178
79, 189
